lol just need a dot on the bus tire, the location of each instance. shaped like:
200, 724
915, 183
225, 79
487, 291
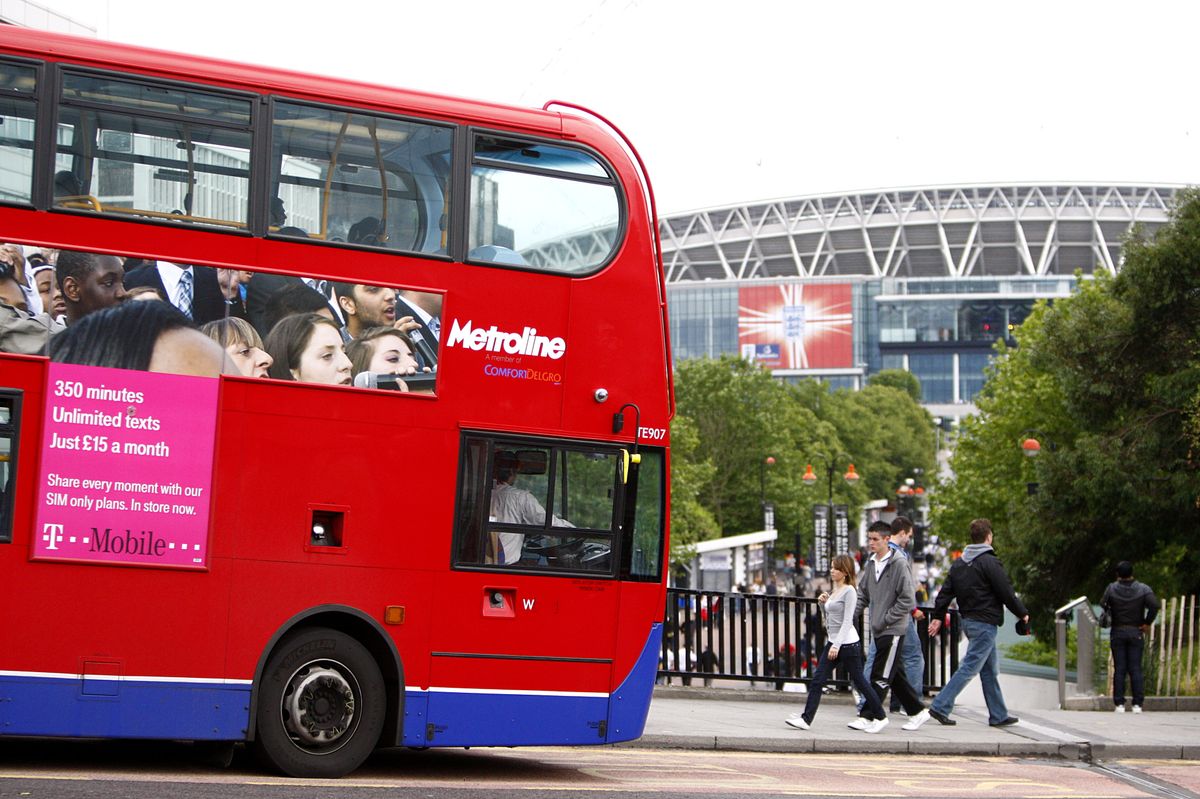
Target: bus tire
321, 705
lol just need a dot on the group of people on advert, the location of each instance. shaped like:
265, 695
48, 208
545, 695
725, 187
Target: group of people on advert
883, 589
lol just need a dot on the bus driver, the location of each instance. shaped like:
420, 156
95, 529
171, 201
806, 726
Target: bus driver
512, 505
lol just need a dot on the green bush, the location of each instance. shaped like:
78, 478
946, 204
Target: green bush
1039, 653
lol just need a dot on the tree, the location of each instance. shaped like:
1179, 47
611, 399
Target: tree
691, 521
1110, 377
898, 379
740, 415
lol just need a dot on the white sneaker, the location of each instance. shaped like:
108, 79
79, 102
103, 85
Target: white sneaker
1137, 708
1120, 709
916, 721
859, 723
876, 726
797, 721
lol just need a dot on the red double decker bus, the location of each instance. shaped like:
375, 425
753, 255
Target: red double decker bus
332, 416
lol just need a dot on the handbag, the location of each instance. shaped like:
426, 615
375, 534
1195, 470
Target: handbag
1104, 620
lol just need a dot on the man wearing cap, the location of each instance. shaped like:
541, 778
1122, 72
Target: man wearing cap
981, 586
1131, 607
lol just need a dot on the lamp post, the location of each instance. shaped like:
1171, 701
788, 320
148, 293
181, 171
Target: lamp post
1032, 447
767, 511
810, 479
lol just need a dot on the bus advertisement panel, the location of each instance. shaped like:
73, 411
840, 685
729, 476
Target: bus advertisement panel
126, 467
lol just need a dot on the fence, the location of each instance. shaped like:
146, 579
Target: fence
1173, 663
712, 635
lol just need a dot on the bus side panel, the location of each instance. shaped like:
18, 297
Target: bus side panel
97, 707
630, 703
118, 651
544, 668
621, 342
635, 663
369, 459
478, 718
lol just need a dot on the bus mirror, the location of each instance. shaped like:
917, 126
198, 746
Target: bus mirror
531, 461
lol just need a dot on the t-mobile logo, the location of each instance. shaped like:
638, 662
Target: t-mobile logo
53, 535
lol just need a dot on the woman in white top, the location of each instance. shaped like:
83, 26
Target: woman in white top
844, 646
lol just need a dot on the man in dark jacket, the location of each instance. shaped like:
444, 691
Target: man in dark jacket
978, 581
1131, 607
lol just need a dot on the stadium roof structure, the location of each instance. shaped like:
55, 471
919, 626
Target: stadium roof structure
925, 232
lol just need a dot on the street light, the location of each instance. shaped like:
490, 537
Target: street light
1030, 445
1032, 448
768, 518
810, 479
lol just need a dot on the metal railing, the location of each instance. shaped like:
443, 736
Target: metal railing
1086, 628
713, 635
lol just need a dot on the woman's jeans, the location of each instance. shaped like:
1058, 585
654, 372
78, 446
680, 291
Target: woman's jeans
850, 656
1127, 660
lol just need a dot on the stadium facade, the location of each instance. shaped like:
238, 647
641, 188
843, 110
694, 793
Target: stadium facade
838, 287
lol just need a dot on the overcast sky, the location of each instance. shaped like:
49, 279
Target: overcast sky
740, 101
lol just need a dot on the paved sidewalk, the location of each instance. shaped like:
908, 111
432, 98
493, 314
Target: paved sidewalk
745, 720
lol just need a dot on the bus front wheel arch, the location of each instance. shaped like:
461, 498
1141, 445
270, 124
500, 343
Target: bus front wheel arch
321, 704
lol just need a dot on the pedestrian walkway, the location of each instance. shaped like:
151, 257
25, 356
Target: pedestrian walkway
753, 720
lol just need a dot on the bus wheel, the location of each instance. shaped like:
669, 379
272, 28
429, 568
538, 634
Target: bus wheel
321, 705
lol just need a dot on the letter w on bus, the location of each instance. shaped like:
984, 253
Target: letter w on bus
528, 603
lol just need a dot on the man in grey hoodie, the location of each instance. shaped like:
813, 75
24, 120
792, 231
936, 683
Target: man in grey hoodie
885, 586
980, 584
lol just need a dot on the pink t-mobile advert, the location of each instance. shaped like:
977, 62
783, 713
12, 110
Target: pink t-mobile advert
126, 467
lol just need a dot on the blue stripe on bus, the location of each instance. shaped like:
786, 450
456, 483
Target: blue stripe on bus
479, 719
128, 708
470, 718
54, 706
630, 703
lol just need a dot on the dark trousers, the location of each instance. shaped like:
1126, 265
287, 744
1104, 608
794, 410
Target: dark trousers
888, 672
850, 656
1127, 661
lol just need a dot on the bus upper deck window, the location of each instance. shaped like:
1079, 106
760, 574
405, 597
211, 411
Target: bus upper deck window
541, 206
351, 177
17, 115
165, 152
